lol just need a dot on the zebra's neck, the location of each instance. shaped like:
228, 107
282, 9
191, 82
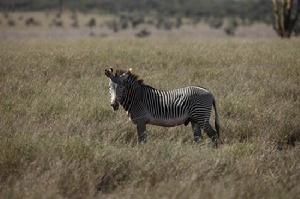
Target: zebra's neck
132, 95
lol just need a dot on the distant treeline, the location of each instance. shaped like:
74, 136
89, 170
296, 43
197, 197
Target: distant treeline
252, 10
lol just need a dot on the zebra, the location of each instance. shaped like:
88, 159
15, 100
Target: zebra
147, 105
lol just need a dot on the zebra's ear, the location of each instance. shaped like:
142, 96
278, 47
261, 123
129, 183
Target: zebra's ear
109, 72
129, 70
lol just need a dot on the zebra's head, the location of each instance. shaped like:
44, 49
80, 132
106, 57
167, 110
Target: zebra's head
117, 84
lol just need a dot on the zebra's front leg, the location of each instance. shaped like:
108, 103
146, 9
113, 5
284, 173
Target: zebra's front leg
197, 132
141, 130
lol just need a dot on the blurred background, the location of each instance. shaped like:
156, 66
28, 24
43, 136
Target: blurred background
148, 18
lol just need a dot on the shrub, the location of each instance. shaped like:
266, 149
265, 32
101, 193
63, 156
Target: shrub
196, 20
168, 25
75, 24
57, 23
178, 22
160, 22
47, 14
31, 22
123, 21
215, 23
150, 22
113, 25
58, 15
297, 28
231, 26
247, 22
6, 15
74, 18
11, 22
143, 33
91, 23
137, 20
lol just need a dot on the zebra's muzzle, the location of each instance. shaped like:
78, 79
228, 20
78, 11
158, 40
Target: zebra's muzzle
115, 106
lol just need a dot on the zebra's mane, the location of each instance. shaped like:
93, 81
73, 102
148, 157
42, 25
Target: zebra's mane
132, 76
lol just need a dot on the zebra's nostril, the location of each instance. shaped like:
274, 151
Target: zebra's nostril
115, 106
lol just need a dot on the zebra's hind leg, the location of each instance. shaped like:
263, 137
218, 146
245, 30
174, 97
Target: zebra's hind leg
212, 134
141, 131
197, 132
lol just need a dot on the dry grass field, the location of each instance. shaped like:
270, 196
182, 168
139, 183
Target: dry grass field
59, 137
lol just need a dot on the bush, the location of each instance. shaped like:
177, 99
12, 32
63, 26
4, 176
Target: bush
11, 22
75, 24
231, 26
159, 22
91, 23
47, 14
168, 25
137, 20
143, 33
124, 21
57, 23
31, 22
297, 28
247, 22
178, 22
113, 25
74, 19
58, 15
196, 20
74, 16
150, 21
215, 23
6, 15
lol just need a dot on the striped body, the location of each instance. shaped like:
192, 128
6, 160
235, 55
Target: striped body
172, 107
147, 105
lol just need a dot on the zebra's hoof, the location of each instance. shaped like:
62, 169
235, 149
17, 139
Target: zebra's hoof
197, 139
142, 141
214, 144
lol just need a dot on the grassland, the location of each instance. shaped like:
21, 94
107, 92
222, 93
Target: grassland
60, 139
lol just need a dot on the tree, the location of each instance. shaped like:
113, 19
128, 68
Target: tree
286, 13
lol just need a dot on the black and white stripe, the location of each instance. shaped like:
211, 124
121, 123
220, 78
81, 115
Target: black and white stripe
161, 107
147, 105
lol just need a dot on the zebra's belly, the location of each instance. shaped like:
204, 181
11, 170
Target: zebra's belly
168, 122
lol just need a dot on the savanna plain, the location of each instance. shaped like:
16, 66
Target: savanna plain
59, 137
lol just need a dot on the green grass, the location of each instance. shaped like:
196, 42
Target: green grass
60, 139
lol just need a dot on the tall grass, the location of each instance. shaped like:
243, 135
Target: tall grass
59, 137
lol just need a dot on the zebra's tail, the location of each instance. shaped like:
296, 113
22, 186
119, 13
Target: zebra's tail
217, 122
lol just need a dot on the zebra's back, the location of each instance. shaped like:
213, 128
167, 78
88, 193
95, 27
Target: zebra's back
173, 107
